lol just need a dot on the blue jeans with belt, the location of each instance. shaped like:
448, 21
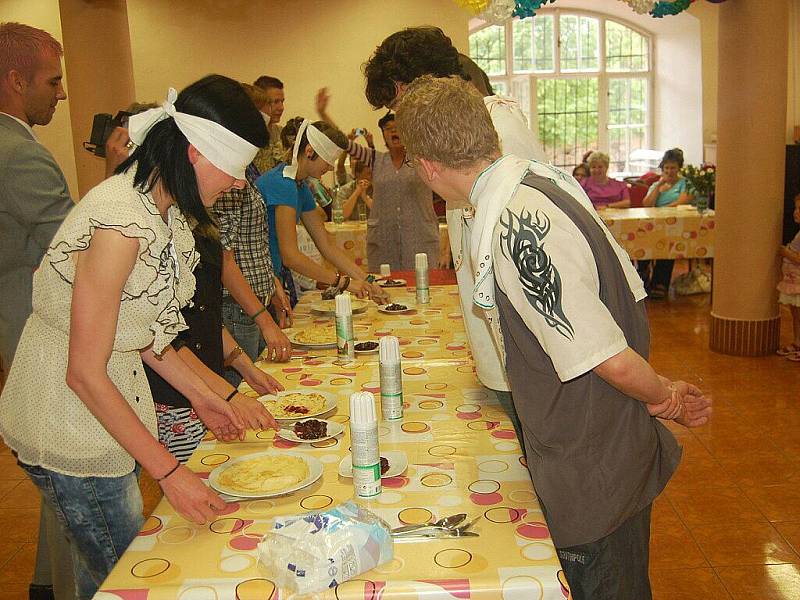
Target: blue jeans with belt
100, 516
244, 330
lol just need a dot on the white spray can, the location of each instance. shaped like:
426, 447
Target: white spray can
423, 291
391, 379
344, 326
366, 456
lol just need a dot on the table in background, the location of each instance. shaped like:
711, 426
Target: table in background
462, 454
351, 236
645, 233
670, 232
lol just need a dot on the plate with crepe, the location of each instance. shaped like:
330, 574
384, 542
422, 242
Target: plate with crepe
289, 405
393, 463
313, 336
328, 307
265, 474
311, 430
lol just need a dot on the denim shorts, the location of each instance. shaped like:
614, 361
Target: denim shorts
100, 516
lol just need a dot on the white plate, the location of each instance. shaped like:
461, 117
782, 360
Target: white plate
328, 307
314, 472
408, 308
400, 283
373, 351
398, 463
291, 334
330, 403
334, 429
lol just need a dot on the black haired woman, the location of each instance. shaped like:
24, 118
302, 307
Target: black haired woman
76, 408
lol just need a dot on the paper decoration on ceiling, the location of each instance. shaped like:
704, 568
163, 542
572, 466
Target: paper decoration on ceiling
641, 6
663, 9
498, 11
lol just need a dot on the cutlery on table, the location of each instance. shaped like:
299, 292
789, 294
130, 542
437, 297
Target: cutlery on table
446, 523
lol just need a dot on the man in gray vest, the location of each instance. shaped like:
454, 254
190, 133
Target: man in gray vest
567, 306
34, 200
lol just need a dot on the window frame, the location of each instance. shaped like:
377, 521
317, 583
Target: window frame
602, 74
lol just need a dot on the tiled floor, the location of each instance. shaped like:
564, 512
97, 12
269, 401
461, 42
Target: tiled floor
728, 526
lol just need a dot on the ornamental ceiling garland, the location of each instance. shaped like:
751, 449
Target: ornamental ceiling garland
497, 11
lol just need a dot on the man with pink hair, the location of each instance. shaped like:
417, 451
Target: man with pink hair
34, 200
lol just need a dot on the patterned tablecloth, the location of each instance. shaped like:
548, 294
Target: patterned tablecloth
645, 233
352, 237
462, 456
679, 232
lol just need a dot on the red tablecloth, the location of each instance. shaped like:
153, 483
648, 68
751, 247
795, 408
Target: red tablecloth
435, 276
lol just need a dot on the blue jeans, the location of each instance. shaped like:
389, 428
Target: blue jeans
244, 330
100, 516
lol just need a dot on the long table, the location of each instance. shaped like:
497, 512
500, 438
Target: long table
462, 453
670, 232
645, 233
351, 236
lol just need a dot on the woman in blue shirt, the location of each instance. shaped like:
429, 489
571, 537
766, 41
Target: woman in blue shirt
670, 190
315, 149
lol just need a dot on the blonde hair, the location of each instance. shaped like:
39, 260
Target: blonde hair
257, 95
599, 157
445, 120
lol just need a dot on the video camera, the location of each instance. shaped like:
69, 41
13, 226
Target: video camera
102, 126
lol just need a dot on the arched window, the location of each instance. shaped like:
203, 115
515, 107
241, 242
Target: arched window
583, 80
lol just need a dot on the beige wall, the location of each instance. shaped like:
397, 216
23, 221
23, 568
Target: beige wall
57, 136
98, 59
708, 15
305, 43
793, 105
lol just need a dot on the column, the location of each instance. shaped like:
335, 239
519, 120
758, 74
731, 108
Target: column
753, 56
97, 59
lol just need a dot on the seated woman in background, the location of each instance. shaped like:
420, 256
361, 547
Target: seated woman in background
315, 150
670, 190
603, 191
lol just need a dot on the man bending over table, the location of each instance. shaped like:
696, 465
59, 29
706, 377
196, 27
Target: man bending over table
576, 339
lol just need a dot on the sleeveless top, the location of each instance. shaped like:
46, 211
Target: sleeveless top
41, 418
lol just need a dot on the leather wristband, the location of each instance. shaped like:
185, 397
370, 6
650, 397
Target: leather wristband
170, 472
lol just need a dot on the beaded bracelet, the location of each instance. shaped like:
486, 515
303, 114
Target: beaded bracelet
234, 354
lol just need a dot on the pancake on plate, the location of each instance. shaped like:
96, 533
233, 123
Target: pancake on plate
296, 404
264, 474
315, 335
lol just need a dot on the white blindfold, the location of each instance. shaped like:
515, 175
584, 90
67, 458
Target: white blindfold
223, 148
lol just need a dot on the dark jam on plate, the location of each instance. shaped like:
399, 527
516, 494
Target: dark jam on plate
396, 307
312, 429
366, 346
384, 466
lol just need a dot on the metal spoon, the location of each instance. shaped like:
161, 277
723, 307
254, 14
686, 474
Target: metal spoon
445, 523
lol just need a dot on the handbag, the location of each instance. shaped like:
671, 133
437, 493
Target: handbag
695, 281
